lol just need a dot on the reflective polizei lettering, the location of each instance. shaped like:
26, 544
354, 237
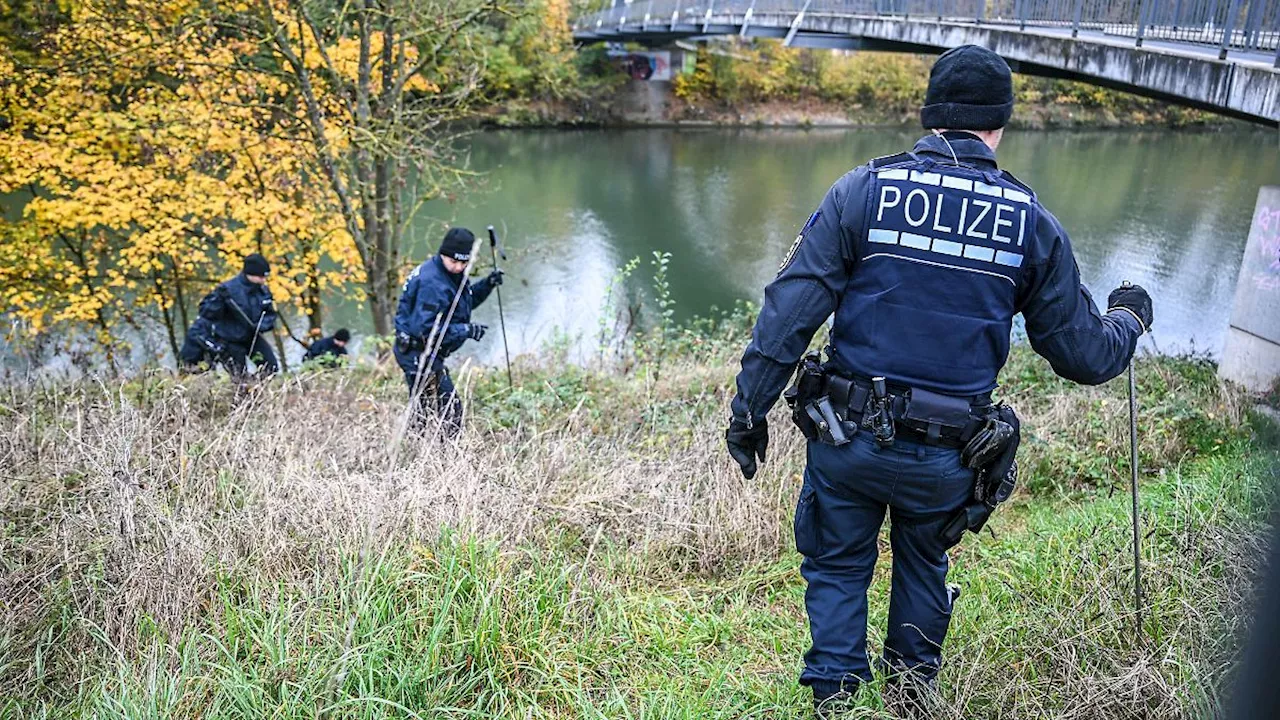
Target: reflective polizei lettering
961, 222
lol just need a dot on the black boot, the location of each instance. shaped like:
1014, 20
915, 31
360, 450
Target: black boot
911, 695
832, 701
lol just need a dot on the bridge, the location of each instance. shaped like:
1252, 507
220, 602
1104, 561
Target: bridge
1216, 55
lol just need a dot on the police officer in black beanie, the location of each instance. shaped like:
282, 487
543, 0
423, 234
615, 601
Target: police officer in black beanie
329, 351
424, 325
234, 323
924, 258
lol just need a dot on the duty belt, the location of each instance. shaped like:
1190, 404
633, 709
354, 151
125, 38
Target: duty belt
919, 415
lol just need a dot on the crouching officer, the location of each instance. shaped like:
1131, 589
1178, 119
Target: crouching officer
329, 351
429, 327
232, 322
924, 258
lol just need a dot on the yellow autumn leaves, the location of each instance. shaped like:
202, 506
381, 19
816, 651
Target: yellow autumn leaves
147, 163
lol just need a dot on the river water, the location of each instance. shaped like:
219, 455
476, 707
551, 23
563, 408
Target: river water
1169, 211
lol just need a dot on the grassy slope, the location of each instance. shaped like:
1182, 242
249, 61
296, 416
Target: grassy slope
169, 552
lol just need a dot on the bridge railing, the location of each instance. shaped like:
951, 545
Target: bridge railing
1252, 25
1235, 24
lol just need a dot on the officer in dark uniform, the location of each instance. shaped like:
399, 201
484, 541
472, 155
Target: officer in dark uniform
924, 258
330, 350
232, 322
427, 332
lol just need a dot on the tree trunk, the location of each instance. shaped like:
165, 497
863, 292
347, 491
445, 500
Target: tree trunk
311, 301
182, 301
167, 314
380, 305
284, 364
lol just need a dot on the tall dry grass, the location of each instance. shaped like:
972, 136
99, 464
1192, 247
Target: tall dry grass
126, 505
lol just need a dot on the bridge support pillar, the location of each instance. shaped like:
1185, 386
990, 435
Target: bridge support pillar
1252, 353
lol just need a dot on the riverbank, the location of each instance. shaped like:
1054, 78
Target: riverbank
653, 104
174, 548
762, 83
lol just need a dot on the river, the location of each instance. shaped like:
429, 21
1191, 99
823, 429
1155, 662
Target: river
1169, 211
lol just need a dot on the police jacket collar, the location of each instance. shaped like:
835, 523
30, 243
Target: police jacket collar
969, 149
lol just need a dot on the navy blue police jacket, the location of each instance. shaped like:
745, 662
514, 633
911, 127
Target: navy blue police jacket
925, 258
237, 311
428, 293
324, 347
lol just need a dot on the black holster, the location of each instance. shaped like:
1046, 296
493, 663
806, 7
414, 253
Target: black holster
804, 390
992, 454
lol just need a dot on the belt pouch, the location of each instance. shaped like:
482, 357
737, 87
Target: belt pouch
936, 411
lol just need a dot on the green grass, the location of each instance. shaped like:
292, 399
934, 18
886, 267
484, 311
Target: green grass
464, 629
171, 549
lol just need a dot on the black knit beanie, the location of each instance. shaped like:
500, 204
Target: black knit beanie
255, 264
457, 244
343, 335
970, 88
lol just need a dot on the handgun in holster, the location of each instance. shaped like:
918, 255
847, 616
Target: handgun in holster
992, 454
811, 408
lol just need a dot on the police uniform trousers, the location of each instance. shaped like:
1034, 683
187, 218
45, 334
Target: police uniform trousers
436, 396
846, 493
234, 357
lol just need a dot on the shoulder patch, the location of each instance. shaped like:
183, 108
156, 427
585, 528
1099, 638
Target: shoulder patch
888, 160
795, 246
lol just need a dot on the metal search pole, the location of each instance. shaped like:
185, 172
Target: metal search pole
1133, 486
502, 318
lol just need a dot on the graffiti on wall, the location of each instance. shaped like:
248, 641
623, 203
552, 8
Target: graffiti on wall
1265, 264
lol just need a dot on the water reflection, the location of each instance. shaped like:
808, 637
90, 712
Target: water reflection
1168, 211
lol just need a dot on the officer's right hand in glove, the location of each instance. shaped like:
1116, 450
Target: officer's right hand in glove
404, 342
746, 444
495, 277
475, 332
1134, 299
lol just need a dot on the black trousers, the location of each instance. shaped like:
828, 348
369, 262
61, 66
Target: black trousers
436, 396
234, 357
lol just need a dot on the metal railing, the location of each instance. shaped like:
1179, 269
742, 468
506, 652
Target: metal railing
1228, 24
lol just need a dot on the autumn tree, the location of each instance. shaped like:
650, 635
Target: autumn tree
533, 53
148, 173
369, 90
157, 143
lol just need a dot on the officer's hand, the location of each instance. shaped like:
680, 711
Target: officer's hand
747, 444
1135, 300
495, 277
403, 341
475, 332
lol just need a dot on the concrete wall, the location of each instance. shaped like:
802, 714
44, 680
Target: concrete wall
1252, 353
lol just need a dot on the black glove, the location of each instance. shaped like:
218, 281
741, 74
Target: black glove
495, 277
213, 346
404, 342
746, 444
1135, 300
475, 332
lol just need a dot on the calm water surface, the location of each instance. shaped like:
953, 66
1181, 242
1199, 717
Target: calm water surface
1168, 211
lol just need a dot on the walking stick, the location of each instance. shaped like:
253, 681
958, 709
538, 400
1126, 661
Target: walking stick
1133, 486
502, 319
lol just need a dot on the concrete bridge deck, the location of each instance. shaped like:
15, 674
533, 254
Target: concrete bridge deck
1238, 76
